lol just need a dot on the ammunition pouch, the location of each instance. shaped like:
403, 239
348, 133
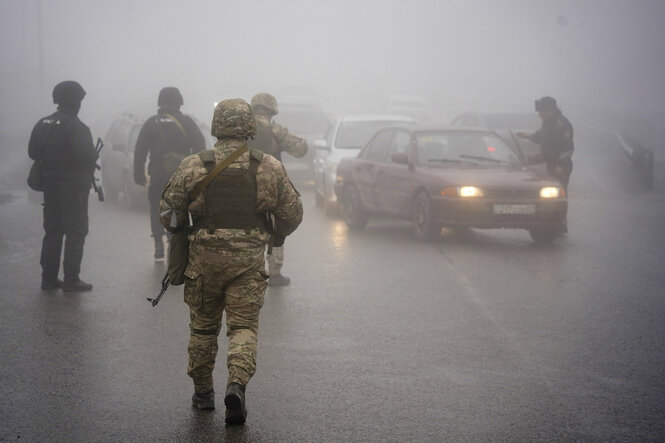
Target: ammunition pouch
178, 255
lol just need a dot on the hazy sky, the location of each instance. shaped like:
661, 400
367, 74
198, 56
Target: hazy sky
350, 55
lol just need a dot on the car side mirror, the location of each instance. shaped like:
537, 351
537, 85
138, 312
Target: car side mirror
119, 147
534, 159
321, 144
400, 157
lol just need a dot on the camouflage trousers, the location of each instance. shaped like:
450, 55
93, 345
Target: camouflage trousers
276, 260
237, 285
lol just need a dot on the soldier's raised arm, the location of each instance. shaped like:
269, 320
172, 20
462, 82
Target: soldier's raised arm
288, 211
290, 143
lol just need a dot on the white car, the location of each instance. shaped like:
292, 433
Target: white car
345, 138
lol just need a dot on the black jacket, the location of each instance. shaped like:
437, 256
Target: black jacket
64, 146
555, 138
160, 135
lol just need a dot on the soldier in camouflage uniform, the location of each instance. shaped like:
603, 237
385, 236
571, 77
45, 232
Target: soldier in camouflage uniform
272, 139
226, 268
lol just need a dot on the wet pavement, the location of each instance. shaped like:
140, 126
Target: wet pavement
478, 336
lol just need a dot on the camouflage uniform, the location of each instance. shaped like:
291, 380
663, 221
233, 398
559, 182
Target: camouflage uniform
226, 268
274, 139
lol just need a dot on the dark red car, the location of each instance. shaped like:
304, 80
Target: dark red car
457, 177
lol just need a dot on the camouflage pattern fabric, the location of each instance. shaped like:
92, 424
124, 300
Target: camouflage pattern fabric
233, 118
236, 283
276, 260
266, 103
226, 267
287, 142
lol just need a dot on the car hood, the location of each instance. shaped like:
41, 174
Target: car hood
501, 176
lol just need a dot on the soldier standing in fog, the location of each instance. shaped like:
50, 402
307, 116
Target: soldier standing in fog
168, 137
63, 146
555, 138
226, 266
272, 139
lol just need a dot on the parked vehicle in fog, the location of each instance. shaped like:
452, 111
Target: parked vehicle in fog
117, 160
345, 138
415, 107
449, 177
304, 118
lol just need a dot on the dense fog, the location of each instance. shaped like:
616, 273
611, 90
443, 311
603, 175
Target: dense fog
602, 60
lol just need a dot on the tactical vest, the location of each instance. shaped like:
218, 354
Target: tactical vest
230, 199
265, 141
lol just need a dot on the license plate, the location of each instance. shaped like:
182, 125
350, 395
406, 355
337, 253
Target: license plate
515, 209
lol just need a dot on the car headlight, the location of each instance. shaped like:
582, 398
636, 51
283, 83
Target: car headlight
550, 192
469, 191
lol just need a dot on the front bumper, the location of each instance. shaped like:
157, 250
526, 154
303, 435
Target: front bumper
479, 213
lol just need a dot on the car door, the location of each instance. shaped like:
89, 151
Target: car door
368, 166
395, 181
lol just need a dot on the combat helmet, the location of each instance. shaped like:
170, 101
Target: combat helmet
170, 96
264, 102
233, 118
67, 93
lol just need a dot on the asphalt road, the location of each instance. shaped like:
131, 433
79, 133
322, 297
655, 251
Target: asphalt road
380, 337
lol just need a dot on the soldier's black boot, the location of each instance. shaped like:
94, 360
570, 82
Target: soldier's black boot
278, 280
205, 401
159, 249
75, 285
51, 283
236, 412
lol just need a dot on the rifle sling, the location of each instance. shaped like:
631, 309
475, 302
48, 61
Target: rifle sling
200, 186
178, 124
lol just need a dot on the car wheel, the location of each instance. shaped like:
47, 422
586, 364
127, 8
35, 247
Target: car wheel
543, 236
352, 210
423, 226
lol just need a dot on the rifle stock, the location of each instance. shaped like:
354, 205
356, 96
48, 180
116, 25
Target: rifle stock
165, 285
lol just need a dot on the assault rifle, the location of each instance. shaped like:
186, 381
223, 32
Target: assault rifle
95, 181
275, 239
165, 285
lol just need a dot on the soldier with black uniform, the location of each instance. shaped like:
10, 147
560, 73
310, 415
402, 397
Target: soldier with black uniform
555, 138
63, 146
274, 139
168, 137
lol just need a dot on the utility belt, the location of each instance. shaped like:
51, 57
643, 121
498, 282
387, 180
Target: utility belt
212, 223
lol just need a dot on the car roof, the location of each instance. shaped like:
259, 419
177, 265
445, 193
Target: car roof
376, 118
446, 129
450, 129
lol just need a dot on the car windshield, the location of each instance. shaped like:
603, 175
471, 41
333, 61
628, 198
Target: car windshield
466, 147
355, 135
513, 121
303, 121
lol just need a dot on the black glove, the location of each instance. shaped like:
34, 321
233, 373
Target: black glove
278, 240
